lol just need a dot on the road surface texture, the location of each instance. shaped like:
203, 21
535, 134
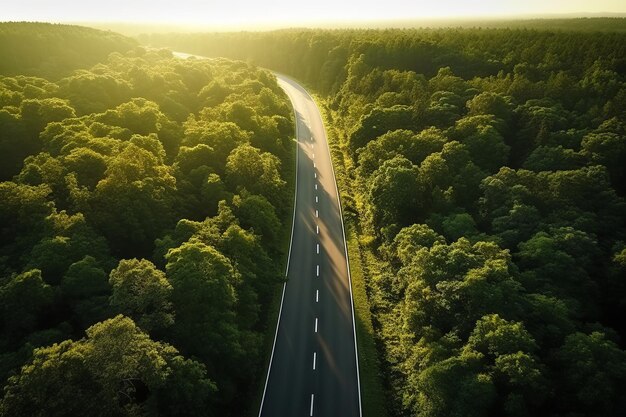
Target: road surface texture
313, 369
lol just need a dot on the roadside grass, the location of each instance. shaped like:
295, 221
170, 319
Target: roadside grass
372, 390
372, 394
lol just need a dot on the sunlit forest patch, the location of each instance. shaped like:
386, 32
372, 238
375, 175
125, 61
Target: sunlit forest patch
141, 226
484, 172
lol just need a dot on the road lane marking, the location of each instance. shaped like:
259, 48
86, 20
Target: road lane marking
318, 270
317, 213
314, 359
317, 200
315, 324
318, 248
317, 229
316, 186
314, 166
325, 145
317, 296
345, 250
313, 155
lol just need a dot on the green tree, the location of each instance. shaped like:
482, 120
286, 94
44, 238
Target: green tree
258, 172
562, 263
493, 336
455, 387
141, 292
483, 140
608, 149
88, 166
204, 299
405, 143
23, 210
257, 213
594, 374
393, 193
412, 239
117, 370
19, 317
450, 287
69, 239
377, 122
133, 203
488, 103
85, 288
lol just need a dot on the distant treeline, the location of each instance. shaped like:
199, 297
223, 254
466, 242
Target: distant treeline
485, 172
143, 215
320, 57
53, 50
577, 24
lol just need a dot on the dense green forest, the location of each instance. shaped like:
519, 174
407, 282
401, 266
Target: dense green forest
142, 209
484, 171
54, 51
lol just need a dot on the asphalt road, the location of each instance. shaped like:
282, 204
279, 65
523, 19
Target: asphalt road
313, 369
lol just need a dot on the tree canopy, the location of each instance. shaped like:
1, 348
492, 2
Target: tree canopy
133, 225
483, 172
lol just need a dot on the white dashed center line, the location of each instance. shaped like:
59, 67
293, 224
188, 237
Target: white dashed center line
317, 296
312, 399
317, 213
315, 324
318, 270
314, 359
317, 199
318, 248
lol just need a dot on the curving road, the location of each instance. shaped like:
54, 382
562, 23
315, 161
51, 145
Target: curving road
313, 368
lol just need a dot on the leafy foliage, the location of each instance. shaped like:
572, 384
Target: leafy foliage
144, 186
485, 172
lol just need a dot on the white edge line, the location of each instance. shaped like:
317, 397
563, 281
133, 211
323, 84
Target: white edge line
293, 222
345, 248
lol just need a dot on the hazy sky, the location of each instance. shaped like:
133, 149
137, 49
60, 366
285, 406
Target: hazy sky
230, 12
